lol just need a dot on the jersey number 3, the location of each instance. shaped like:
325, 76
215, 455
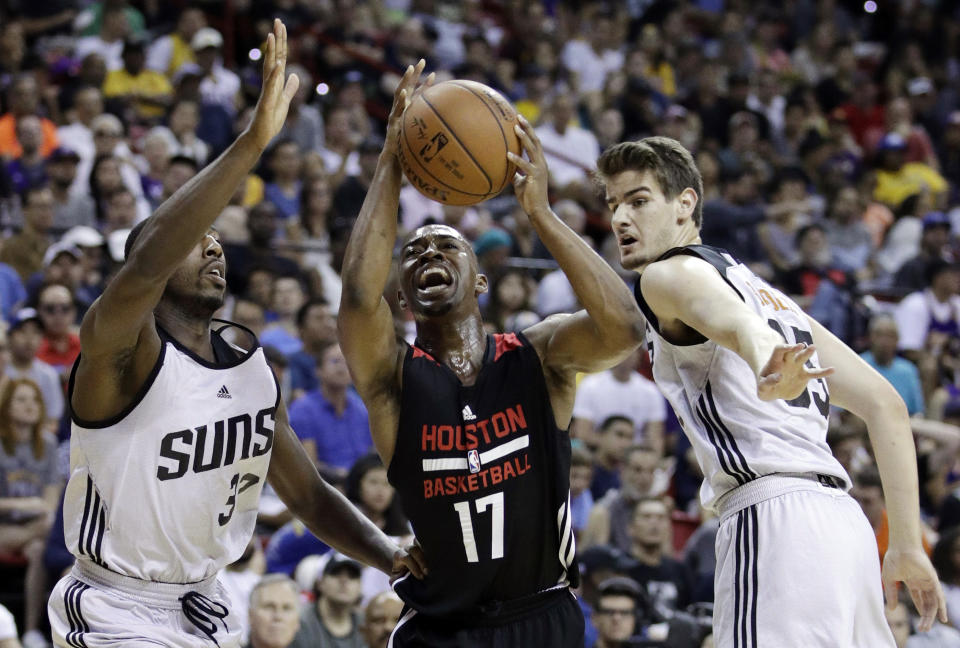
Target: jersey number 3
494, 501
803, 400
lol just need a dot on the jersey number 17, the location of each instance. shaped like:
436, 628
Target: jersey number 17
494, 502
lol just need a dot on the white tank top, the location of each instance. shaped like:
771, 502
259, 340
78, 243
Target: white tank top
736, 436
168, 489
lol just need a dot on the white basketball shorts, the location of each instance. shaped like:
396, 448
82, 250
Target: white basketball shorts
797, 566
93, 607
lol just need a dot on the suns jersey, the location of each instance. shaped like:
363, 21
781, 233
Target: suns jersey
483, 474
736, 436
168, 489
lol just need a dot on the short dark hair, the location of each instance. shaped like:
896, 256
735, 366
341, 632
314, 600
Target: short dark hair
616, 418
304, 310
668, 160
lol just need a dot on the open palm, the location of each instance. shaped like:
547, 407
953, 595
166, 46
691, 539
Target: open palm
277, 90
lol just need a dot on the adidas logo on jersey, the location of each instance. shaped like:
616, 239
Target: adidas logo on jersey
468, 414
223, 393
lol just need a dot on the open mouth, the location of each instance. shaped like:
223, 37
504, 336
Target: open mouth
433, 279
626, 240
216, 270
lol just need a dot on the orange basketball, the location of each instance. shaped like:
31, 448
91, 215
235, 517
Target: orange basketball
454, 142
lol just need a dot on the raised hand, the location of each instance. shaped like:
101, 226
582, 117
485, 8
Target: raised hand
913, 569
402, 97
532, 178
785, 374
277, 91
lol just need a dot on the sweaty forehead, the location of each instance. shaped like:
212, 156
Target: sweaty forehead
434, 231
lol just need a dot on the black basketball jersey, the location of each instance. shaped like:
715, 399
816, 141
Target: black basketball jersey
483, 474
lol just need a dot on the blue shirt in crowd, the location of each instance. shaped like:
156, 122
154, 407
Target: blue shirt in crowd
341, 440
903, 375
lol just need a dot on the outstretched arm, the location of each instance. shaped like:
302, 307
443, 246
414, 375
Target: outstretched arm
365, 322
610, 325
857, 387
326, 512
688, 296
115, 323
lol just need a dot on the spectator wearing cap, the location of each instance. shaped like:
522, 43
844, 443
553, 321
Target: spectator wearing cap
284, 189
929, 318
897, 179
23, 339
333, 622
168, 53
24, 251
597, 565
23, 98
69, 209
107, 40
934, 245
136, 88
616, 613
58, 312
899, 372
219, 85
274, 612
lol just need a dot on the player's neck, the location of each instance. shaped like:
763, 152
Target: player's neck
191, 332
458, 344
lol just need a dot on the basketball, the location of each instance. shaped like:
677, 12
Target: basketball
454, 142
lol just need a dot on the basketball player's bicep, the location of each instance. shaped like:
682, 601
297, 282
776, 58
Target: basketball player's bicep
571, 343
117, 319
369, 344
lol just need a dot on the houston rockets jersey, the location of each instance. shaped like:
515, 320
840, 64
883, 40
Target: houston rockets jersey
482, 472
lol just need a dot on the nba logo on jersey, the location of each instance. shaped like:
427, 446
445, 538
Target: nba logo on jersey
473, 460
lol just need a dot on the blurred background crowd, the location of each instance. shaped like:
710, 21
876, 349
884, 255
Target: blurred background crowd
828, 136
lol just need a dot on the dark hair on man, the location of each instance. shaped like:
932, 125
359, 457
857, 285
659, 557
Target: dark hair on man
304, 310
616, 418
671, 165
185, 159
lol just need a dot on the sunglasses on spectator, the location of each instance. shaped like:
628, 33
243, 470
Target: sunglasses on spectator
53, 309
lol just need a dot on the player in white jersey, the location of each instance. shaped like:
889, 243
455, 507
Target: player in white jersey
175, 431
740, 363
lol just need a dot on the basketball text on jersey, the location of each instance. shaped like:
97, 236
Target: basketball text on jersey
188, 449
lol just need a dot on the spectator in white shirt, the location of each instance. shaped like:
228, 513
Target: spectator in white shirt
571, 151
593, 58
78, 135
109, 42
219, 85
624, 392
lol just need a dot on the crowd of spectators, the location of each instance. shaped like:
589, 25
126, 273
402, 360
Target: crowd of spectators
828, 136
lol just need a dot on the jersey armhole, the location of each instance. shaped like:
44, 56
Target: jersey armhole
719, 259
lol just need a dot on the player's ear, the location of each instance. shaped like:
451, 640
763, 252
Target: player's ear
401, 300
686, 203
481, 284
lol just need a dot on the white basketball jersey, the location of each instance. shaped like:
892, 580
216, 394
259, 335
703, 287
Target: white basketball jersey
736, 436
168, 489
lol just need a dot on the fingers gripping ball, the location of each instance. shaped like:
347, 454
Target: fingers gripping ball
454, 142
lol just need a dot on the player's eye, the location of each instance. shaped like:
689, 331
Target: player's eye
639, 202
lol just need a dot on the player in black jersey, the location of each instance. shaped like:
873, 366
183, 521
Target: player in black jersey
472, 426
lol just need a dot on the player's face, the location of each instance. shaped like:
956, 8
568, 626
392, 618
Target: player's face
198, 285
274, 615
645, 223
438, 271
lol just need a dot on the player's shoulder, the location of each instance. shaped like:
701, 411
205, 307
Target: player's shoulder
676, 273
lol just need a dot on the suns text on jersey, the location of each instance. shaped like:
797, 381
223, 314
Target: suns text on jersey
197, 449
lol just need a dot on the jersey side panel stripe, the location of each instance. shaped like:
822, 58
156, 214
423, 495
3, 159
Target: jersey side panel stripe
719, 445
733, 443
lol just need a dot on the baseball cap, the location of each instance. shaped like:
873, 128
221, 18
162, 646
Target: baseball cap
491, 239
82, 236
620, 585
206, 37
58, 248
337, 562
605, 557
23, 316
935, 219
892, 142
